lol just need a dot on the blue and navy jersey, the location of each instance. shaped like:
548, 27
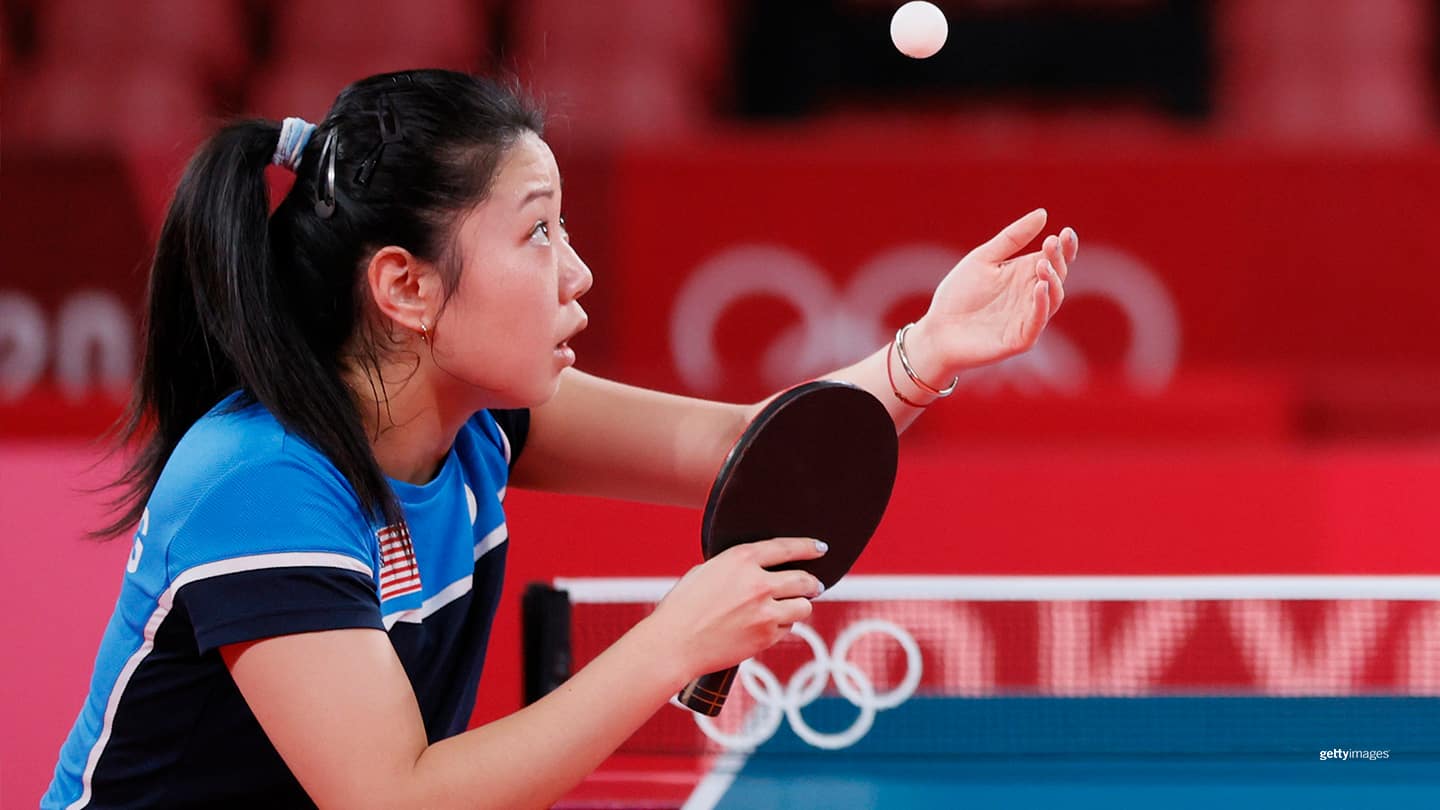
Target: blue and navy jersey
251, 533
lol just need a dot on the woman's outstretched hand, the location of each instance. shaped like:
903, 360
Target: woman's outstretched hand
994, 304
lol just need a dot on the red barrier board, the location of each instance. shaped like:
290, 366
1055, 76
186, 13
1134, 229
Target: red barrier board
744, 264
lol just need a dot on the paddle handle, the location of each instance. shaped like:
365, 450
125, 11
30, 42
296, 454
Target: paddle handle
706, 694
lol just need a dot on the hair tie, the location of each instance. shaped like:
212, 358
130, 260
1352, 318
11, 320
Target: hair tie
294, 135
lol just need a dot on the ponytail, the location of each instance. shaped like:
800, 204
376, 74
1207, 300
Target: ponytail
219, 319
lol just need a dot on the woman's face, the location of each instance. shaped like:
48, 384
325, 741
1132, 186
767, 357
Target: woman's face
504, 331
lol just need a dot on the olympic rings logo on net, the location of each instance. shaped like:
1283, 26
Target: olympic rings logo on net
776, 702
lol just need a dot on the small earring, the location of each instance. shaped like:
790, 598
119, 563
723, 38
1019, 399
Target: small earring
424, 333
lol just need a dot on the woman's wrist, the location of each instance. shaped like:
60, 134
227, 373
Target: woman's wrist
918, 372
656, 643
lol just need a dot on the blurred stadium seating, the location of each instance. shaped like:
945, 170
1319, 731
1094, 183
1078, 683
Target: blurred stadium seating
381, 34
145, 106
207, 39
1336, 70
655, 73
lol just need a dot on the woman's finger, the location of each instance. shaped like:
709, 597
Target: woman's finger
1015, 236
790, 584
1039, 314
1057, 289
790, 611
1056, 254
768, 553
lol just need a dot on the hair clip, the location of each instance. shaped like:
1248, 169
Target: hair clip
390, 132
325, 183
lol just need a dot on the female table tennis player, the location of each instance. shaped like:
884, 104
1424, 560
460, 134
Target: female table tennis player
333, 401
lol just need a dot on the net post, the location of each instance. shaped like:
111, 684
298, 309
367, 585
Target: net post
545, 638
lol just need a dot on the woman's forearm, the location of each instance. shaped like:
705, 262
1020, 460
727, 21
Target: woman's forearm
532, 757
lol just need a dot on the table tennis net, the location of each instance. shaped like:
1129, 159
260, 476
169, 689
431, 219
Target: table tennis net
1050, 666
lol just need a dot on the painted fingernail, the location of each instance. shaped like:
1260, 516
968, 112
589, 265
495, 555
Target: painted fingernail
822, 546
819, 589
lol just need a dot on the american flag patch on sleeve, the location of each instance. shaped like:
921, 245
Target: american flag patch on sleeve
399, 573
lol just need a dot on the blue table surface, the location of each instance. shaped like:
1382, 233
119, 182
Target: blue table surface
1173, 753
1077, 783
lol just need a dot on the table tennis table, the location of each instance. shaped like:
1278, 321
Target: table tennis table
1170, 752
1031, 692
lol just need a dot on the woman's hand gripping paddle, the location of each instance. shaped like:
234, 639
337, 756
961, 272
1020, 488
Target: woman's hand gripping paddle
819, 461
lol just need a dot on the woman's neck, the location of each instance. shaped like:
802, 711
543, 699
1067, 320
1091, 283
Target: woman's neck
409, 430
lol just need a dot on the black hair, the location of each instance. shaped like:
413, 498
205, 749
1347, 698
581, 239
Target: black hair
273, 306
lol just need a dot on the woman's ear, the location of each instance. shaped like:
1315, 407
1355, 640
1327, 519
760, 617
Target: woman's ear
405, 288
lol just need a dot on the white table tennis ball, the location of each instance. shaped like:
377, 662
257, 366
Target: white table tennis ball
919, 29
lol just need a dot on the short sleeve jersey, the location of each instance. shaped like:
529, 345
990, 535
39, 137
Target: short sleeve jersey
252, 533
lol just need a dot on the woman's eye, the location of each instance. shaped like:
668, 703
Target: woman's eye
541, 232
564, 229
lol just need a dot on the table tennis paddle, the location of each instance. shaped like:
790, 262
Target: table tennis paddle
818, 461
